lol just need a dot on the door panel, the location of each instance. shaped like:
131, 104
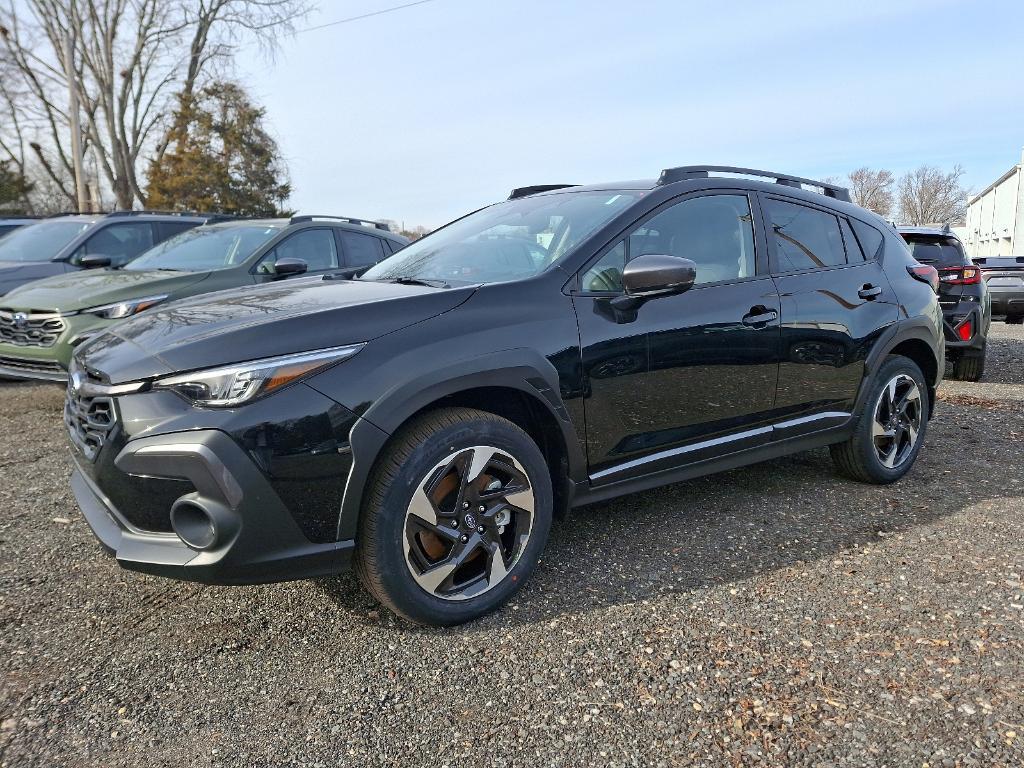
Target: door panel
678, 380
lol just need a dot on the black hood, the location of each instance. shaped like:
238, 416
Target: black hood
14, 274
256, 322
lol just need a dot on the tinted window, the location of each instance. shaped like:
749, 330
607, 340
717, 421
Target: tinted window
936, 251
172, 228
853, 251
805, 238
314, 246
870, 239
715, 232
121, 242
42, 241
360, 250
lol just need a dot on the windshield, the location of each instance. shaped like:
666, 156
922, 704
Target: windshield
40, 242
507, 241
937, 251
205, 249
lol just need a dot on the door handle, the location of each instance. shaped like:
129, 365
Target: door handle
870, 292
760, 316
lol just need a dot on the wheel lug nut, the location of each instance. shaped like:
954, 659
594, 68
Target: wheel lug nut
464, 538
481, 508
455, 523
479, 529
465, 505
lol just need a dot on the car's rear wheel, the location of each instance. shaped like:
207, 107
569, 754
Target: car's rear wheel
969, 367
891, 428
456, 515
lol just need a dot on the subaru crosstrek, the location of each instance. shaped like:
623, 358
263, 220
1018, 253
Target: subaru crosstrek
963, 295
426, 421
41, 323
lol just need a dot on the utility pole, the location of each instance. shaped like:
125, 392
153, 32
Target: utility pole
76, 129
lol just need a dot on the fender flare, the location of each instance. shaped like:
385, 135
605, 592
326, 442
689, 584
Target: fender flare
919, 329
522, 369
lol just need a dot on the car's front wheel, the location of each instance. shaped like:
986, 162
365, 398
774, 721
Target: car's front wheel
891, 427
456, 515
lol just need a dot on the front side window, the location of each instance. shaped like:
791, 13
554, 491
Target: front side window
715, 232
205, 249
508, 241
316, 247
42, 241
361, 250
805, 238
120, 242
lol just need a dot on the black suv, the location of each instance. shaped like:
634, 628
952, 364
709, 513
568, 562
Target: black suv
571, 344
75, 241
963, 296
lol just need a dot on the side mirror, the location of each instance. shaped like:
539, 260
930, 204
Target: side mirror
287, 267
94, 261
652, 275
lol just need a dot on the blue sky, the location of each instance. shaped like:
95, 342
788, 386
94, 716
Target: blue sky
428, 112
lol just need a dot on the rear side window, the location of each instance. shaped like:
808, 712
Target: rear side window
870, 239
937, 251
805, 238
168, 229
361, 250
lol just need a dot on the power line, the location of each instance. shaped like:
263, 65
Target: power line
364, 16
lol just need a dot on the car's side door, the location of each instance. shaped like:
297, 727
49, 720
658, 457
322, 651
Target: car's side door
690, 376
314, 246
836, 302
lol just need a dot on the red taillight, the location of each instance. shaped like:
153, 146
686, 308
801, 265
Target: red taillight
965, 330
925, 274
960, 275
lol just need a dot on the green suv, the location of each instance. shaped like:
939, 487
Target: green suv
41, 323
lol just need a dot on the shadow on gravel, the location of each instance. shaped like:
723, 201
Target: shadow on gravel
729, 527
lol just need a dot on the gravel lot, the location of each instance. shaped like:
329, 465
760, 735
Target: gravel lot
774, 615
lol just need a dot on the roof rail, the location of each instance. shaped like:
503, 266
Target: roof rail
348, 219
160, 213
670, 175
537, 188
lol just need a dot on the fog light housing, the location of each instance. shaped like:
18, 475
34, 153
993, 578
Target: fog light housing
202, 524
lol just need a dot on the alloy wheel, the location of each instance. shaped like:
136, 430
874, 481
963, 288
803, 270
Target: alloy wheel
468, 523
897, 422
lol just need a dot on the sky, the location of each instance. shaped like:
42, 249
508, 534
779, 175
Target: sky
425, 113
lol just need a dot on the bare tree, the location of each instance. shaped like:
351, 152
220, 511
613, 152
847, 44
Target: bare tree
873, 189
132, 62
927, 195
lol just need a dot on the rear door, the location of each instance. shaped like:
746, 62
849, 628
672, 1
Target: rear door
836, 303
690, 376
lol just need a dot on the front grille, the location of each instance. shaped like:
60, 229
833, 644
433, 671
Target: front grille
30, 329
89, 421
30, 366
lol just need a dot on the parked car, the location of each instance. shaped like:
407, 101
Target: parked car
69, 243
1004, 277
963, 296
11, 223
42, 323
426, 421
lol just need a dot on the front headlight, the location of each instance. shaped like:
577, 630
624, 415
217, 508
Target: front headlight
243, 382
124, 308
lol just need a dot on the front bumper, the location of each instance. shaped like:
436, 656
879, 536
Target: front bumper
257, 539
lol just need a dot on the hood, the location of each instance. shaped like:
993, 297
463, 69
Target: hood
264, 321
14, 274
89, 288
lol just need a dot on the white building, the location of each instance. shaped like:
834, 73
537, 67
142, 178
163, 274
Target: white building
995, 217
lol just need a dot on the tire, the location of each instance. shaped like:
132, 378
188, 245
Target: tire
1014, 319
860, 457
969, 367
410, 555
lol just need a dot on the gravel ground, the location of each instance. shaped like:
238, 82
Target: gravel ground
775, 615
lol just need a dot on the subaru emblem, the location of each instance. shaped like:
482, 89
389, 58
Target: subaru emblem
20, 320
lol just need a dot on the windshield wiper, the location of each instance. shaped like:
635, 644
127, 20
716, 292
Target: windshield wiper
418, 281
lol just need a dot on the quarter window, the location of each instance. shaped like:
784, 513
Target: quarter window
805, 238
715, 232
870, 239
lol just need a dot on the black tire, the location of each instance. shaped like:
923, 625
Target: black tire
1014, 319
969, 367
406, 463
858, 458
